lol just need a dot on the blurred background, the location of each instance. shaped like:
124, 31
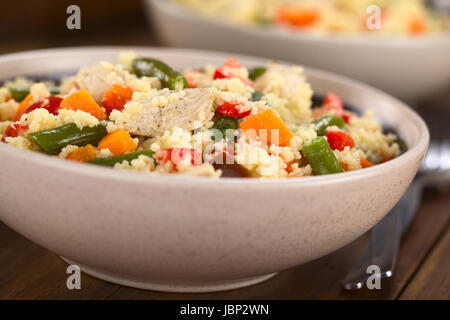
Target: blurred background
26, 25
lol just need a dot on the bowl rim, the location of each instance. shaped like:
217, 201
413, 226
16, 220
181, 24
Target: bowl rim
173, 8
419, 147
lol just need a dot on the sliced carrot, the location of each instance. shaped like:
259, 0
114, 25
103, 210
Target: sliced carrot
269, 121
344, 166
289, 166
28, 101
365, 163
297, 16
118, 142
82, 100
386, 158
116, 97
83, 154
192, 82
416, 25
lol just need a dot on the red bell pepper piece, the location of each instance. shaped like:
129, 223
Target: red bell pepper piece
232, 63
177, 155
52, 106
230, 110
226, 72
15, 130
221, 73
338, 140
333, 102
346, 116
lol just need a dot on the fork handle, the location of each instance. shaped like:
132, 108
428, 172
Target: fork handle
381, 250
385, 238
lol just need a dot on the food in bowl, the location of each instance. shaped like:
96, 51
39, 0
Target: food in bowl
217, 121
397, 17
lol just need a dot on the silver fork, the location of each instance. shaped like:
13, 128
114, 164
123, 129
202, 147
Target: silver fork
385, 237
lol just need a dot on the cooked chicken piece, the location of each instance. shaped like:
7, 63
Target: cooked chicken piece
97, 79
166, 109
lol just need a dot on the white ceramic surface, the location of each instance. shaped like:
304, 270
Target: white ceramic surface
180, 233
408, 68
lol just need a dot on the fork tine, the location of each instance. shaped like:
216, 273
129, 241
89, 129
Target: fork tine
445, 155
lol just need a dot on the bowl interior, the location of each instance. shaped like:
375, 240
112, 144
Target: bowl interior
52, 64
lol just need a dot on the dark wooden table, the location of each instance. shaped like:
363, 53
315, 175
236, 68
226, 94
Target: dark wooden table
28, 271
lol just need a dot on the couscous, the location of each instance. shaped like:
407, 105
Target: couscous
387, 17
218, 121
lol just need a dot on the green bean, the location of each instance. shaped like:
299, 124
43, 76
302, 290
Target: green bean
326, 121
256, 72
257, 95
321, 157
263, 21
170, 78
55, 91
225, 124
20, 93
110, 162
53, 140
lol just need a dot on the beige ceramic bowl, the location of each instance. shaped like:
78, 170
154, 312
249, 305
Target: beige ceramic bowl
409, 68
176, 233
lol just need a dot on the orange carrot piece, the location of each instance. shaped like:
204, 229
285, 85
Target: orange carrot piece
28, 101
416, 25
365, 163
344, 166
267, 120
192, 83
289, 166
83, 154
118, 142
386, 158
297, 16
81, 100
116, 97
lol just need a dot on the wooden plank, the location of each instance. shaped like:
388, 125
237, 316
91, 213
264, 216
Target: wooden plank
321, 279
433, 279
28, 271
